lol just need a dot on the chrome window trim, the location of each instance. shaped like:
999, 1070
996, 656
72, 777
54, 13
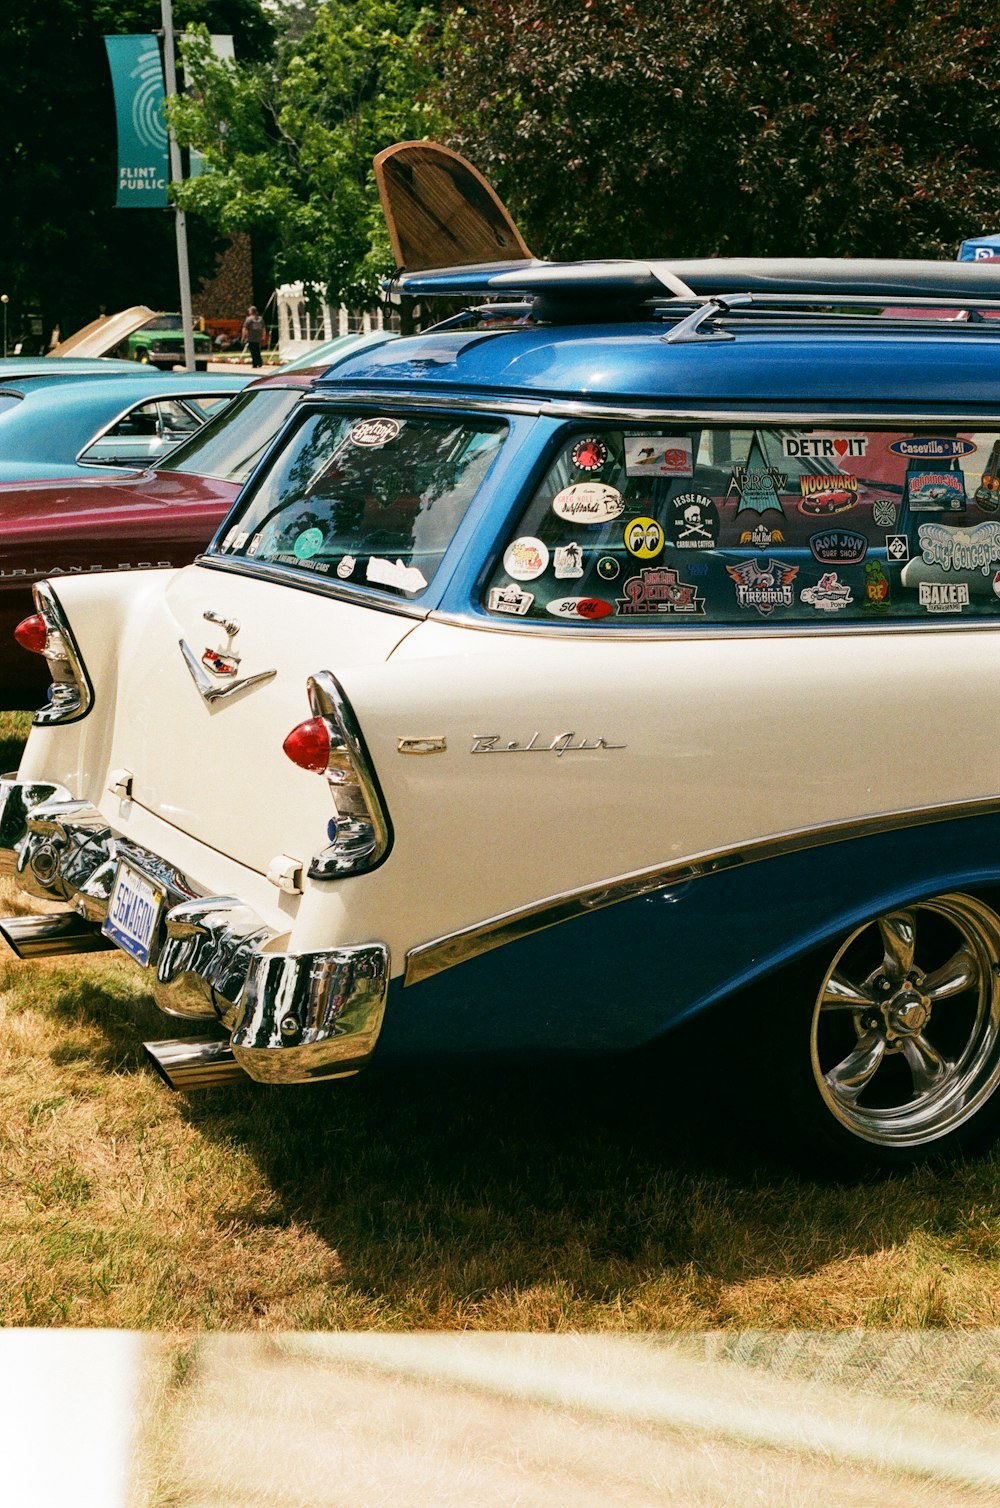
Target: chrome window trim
101, 433
512, 926
707, 631
320, 586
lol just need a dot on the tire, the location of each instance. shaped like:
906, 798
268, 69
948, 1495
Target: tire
144, 358
893, 1059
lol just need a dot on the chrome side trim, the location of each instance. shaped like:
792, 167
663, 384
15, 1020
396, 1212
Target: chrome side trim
702, 631
459, 947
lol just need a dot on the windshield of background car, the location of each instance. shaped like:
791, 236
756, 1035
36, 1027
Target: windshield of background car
231, 443
164, 322
643, 524
373, 501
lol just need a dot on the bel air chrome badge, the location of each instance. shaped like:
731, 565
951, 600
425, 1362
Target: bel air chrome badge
563, 743
221, 662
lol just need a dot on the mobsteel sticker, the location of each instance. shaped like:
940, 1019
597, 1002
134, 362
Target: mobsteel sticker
826, 494
525, 558
659, 455
820, 446
764, 587
976, 549
587, 609
838, 547
588, 503
643, 538
937, 492
590, 454
510, 599
932, 447
693, 521
944, 596
657, 589
829, 595
373, 433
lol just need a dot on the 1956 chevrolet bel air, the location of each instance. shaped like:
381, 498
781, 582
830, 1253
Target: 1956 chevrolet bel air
559, 673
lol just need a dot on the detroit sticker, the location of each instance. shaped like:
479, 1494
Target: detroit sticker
657, 589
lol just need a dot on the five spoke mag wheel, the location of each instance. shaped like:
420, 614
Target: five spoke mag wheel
905, 1034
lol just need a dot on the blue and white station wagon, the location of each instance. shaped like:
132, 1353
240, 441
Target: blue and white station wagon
606, 652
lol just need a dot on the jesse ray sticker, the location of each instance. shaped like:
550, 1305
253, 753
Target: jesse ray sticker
525, 558
693, 521
658, 455
657, 589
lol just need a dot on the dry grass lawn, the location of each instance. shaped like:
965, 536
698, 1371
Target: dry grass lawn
527, 1196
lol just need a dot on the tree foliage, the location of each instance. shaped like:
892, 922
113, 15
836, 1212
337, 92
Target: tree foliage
760, 127
290, 141
64, 249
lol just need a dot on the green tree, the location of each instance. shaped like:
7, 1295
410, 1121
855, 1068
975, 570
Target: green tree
289, 142
64, 249
758, 127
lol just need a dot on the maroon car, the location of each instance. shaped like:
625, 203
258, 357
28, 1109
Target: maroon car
126, 523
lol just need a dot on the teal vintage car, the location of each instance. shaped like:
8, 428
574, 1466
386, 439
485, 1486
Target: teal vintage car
160, 343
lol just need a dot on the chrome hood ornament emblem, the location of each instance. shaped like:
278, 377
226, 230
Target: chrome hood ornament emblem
221, 662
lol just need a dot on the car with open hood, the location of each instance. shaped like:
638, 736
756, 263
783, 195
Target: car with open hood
625, 646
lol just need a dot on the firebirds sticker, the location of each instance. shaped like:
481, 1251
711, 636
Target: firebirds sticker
764, 586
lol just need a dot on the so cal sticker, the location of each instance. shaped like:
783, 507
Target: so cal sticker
588, 503
659, 455
525, 558
587, 608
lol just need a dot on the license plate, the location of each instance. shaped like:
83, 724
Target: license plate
133, 912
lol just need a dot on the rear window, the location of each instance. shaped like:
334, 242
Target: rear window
232, 442
751, 524
371, 500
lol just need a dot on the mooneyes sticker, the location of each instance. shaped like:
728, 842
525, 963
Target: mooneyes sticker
693, 521
590, 454
510, 599
659, 455
567, 561
307, 544
823, 495
643, 538
658, 589
586, 608
588, 503
525, 558
373, 433
764, 586
937, 492
829, 595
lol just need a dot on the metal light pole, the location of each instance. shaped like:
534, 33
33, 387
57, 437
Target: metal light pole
184, 276
5, 300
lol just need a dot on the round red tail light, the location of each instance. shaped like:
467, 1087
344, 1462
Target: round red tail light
308, 745
32, 633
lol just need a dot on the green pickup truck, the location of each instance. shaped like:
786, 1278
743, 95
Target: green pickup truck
160, 342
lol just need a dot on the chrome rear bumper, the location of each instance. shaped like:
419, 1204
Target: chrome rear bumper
293, 1017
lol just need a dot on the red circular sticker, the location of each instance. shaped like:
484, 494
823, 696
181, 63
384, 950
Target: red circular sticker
590, 455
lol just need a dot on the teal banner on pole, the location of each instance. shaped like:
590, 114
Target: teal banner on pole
137, 77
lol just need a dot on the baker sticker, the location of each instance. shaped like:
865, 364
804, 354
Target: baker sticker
659, 455
590, 454
643, 538
568, 561
944, 596
588, 503
693, 521
525, 558
510, 599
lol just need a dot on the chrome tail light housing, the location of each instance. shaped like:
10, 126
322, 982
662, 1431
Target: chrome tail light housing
71, 696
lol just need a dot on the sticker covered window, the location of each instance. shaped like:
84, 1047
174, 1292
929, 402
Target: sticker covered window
739, 525
370, 500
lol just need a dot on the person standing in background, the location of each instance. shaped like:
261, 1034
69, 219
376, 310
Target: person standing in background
253, 335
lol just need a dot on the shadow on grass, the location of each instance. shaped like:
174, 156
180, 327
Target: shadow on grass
466, 1179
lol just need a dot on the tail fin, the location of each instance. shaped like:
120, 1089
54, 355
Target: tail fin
440, 211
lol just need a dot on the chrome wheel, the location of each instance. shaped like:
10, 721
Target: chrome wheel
906, 1026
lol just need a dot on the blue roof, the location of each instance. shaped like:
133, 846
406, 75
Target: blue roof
957, 365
